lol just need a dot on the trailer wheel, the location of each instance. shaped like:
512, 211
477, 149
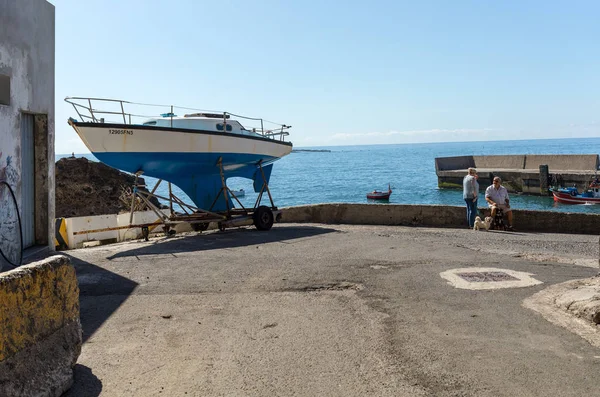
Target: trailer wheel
263, 218
200, 227
145, 232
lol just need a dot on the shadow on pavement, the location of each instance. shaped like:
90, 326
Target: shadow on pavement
96, 281
86, 384
227, 239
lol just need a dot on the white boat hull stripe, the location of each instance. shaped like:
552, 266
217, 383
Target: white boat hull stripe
123, 139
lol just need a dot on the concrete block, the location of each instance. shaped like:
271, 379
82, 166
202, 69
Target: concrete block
562, 162
40, 332
86, 223
139, 218
514, 162
453, 163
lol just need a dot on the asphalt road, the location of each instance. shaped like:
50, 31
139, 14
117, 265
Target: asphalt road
328, 310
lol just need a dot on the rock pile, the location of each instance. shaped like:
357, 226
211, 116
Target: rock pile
85, 188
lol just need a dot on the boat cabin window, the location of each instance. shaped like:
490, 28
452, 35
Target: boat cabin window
150, 123
220, 127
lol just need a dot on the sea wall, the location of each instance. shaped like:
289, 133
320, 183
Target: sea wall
435, 216
40, 332
86, 231
519, 161
519, 173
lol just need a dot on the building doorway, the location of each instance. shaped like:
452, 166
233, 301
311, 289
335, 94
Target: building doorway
28, 179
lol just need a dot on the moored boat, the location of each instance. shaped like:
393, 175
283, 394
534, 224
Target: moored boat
197, 151
377, 195
571, 195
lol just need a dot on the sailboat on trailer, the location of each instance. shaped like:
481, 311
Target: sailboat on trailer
197, 151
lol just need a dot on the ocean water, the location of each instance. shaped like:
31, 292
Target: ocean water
347, 173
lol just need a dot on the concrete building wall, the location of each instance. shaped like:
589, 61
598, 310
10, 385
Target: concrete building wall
27, 68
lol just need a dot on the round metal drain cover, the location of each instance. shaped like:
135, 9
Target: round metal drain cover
484, 277
478, 278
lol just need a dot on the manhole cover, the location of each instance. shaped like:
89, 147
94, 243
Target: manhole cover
480, 277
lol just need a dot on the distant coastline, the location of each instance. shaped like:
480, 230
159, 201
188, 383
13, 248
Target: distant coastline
311, 150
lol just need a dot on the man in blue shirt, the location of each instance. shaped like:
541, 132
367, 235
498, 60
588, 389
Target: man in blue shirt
497, 197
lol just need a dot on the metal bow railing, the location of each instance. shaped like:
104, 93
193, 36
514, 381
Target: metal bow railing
98, 110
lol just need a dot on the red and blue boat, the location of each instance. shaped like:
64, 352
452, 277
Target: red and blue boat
570, 195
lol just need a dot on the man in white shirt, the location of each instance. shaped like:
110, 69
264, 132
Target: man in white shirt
497, 197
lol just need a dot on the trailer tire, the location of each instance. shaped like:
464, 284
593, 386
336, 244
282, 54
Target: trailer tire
263, 218
145, 233
200, 227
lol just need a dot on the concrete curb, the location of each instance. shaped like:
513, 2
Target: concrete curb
549, 303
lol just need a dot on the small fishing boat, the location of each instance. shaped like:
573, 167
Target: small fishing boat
570, 195
238, 193
377, 195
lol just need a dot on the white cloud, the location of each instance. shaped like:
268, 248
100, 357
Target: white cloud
414, 133
418, 136
581, 130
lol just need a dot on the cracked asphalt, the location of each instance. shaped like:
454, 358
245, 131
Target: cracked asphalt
334, 310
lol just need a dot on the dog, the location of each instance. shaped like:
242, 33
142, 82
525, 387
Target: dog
485, 224
488, 221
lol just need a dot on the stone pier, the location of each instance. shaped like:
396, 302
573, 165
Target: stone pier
520, 173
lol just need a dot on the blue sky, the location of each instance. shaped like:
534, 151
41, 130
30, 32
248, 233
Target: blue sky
342, 73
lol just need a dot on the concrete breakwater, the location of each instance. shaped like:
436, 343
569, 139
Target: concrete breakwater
523, 173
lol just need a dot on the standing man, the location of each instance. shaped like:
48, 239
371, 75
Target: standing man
470, 193
497, 197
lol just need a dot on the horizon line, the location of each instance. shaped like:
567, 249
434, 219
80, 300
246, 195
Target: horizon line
415, 143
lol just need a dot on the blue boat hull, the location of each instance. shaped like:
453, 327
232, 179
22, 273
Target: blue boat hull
197, 174
187, 158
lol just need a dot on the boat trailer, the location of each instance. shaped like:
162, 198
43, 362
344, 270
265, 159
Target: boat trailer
261, 216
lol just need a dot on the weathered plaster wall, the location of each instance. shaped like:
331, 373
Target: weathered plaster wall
40, 331
27, 57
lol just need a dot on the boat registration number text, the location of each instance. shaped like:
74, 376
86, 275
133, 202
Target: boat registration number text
120, 132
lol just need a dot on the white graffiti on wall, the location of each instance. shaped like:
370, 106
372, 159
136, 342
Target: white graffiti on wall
10, 231
8, 172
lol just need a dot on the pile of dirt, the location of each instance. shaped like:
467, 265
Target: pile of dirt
85, 188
